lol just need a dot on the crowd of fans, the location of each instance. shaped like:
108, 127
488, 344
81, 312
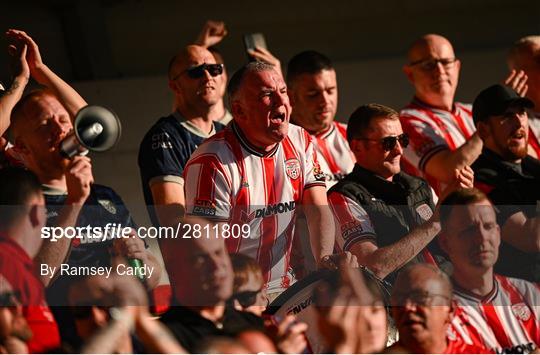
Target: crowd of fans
415, 231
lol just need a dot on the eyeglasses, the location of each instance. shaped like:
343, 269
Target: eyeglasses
389, 143
418, 298
247, 298
198, 71
430, 64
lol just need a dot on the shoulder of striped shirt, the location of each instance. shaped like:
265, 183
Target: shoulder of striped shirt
340, 124
523, 285
464, 105
411, 114
297, 134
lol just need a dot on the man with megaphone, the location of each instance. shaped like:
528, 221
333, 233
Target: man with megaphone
41, 125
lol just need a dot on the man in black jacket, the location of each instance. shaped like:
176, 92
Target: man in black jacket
384, 216
510, 178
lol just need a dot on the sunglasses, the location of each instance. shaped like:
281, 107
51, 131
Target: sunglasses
198, 71
430, 64
247, 298
389, 143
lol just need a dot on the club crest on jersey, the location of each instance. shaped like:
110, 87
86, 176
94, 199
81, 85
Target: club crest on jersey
521, 311
424, 211
292, 168
108, 205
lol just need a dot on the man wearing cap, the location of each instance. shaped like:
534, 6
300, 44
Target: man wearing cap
510, 177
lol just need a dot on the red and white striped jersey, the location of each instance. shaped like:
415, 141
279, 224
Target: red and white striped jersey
534, 136
352, 221
228, 179
432, 130
505, 321
333, 152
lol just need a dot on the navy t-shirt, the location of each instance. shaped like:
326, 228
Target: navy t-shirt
165, 150
102, 206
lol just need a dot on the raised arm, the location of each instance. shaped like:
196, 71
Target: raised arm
11, 96
70, 98
442, 165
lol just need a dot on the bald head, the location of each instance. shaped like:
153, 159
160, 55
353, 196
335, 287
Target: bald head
27, 109
422, 308
420, 48
187, 57
425, 277
525, 55
522, 50
433, 70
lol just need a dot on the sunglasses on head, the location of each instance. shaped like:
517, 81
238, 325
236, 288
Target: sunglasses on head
389, 143
198, 71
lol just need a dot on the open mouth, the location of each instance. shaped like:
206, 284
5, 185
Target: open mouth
277, 118
518, 136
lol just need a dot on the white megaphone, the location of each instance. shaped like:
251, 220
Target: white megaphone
95, 128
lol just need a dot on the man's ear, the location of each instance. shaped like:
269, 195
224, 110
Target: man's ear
484, 130
174, 86
356, 145
35, 215
237, 110
452, 311
407, 70
458, 64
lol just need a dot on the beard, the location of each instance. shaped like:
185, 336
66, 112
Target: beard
512, 151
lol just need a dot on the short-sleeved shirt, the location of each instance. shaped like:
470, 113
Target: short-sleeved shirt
228, 179
164, 152
507, 320
333, 153
17, 273
432, 130
513, 188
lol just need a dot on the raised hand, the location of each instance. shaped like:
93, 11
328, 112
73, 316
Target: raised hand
517, 80
211, 34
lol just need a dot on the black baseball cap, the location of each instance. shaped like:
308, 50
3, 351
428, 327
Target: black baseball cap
494, 100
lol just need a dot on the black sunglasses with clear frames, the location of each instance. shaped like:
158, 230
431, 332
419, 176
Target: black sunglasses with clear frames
389, 143
198, 71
